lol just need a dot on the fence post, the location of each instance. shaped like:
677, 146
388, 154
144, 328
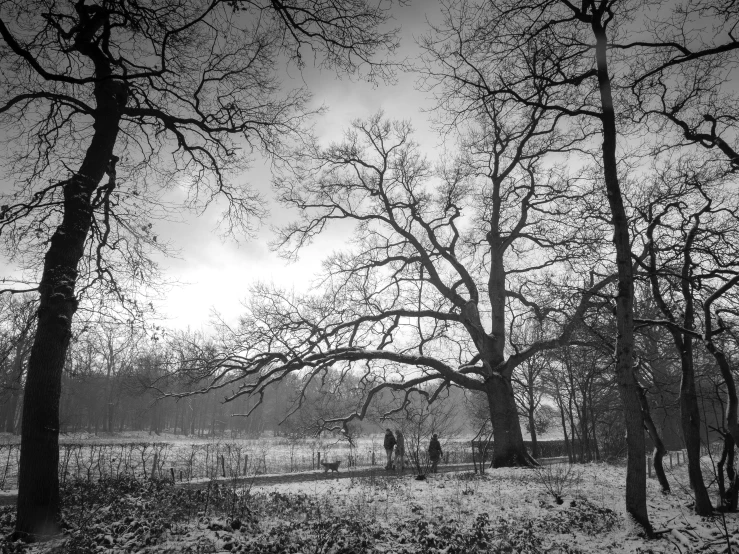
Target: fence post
373, 457
649, 466
670, 459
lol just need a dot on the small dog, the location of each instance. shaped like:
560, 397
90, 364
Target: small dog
333, 466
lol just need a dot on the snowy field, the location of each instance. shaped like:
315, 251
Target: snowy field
506, 510
91, 457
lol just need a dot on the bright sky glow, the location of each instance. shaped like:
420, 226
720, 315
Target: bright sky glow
215, 274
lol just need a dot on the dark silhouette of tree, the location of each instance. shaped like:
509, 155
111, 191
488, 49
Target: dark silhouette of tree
600, 64
105, 105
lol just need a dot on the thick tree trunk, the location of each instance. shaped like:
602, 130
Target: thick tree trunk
636, 477
508, 447
38, 482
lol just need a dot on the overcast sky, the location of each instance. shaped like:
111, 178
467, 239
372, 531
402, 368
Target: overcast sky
216, 274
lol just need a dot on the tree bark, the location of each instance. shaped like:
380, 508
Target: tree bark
636, 478
732, 405
690, 420
659, 446
727, 497
38, 482
508, 447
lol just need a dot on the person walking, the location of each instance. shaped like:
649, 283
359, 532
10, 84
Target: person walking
399, 450
389, 445
435, 452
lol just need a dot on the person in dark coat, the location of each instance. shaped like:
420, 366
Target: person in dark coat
389, 445
435, 452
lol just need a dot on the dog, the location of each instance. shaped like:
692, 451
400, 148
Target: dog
333, 466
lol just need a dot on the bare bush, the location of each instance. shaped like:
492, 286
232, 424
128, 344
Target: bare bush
557, 479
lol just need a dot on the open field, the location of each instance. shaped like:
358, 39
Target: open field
506, 510
92, 458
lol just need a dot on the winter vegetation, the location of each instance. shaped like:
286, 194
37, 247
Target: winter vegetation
548, 279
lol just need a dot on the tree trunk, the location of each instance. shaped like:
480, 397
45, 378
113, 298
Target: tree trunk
636, 477
594, 428
38, 482
568, 446
109, 389
12, 409
15, 386
573, 429
732, 405
532, 427
690, 420
727, 497
659, 446
508, 447
584, 430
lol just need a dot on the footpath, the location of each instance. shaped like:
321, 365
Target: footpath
10, 498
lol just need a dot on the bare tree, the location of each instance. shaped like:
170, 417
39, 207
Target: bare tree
691, 234
430, 289
151, 95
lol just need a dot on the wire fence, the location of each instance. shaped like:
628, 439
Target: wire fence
193, 461
183, 461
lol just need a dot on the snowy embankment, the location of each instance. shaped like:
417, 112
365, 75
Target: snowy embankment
506, 510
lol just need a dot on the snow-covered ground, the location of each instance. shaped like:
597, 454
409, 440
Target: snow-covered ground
591, 518
506, 510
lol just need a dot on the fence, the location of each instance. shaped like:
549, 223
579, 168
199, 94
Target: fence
193, 461
675, 458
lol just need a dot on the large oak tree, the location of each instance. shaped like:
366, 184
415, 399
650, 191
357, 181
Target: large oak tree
443, 263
